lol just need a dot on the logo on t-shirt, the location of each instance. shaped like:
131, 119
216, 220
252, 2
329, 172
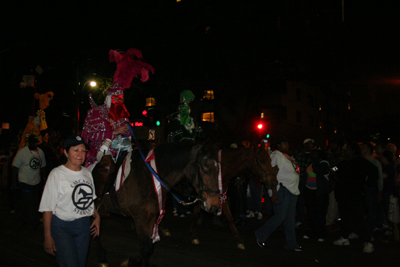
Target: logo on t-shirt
82, 196
34, 163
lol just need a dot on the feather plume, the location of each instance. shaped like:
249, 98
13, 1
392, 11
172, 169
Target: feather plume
129, 65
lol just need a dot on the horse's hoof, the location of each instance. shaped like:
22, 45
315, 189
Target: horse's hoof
103, 264
241, 246
195, 241
125, 263
166, 232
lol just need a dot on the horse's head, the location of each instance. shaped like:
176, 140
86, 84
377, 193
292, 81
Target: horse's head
206, 177
262, 167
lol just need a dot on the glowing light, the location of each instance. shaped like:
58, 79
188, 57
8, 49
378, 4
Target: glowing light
93, 83
260, 126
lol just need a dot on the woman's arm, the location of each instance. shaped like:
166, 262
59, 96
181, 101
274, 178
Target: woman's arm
95, 227
49, 245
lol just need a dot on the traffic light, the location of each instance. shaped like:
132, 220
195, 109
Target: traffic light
260, 126
267, 136
158, 122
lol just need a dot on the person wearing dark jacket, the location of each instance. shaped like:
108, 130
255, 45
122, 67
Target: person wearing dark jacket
316, 195
355, 175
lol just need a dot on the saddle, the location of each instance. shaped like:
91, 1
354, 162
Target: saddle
104, 176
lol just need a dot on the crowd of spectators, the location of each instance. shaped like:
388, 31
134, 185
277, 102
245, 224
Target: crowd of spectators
343, 186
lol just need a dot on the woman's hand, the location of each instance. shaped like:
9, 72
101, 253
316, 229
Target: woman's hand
49, 245
95, 227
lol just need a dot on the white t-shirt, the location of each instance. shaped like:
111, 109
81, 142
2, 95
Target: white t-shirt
29, 163
69, 194
287, 174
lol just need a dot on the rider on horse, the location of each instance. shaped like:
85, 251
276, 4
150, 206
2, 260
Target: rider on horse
183, 127
105, 128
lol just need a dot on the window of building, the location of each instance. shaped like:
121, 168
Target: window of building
298, 94
150, 101
298, 117
208, 116
208, 94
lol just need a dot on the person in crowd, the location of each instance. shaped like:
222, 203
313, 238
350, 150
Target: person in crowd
67, 204
373, 195
379, 148
303, 158
334, 155
254, 197
288, 190
354, 175
28, 168
316, 194
388, 190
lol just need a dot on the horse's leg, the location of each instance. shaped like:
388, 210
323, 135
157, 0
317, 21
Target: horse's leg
228, 215
144, 232
101, 252
195, 220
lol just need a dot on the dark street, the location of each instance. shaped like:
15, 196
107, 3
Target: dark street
20, 247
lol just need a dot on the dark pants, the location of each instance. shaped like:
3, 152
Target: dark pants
371, 207
254, 201
284, 212
317, 206
354, 212
30, 196
71, 239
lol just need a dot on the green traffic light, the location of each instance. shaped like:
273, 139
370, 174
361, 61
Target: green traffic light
267, 136
158, 123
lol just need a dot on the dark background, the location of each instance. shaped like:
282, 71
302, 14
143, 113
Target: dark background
232, 47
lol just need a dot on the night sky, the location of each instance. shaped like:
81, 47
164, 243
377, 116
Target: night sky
222, 45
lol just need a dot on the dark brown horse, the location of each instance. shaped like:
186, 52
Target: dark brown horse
236, 161
137, 197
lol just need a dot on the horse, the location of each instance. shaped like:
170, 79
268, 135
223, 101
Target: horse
233, 162
138, 199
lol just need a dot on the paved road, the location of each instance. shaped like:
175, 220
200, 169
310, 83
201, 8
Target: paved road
20, 247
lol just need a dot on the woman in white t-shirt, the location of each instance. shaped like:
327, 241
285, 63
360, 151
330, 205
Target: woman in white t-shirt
67, 204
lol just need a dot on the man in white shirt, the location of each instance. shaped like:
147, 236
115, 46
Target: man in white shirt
288, 190
28, 166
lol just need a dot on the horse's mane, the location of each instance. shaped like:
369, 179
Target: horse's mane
173, 156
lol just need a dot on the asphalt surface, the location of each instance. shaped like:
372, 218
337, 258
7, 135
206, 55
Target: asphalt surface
23, 247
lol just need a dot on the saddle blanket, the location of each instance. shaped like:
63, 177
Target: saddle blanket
123, 172
158, 188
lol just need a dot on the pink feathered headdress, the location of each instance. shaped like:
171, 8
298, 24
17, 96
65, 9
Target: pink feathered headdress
129, 65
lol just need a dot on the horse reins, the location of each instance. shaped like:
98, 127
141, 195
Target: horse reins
163, 182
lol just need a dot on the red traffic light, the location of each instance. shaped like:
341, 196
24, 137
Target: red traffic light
144, 112
260, 126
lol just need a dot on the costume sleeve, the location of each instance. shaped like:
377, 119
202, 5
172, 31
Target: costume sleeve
49, 197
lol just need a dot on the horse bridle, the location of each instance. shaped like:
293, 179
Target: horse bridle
199, 182
260, 168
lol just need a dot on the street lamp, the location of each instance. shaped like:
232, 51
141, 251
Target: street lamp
79, 99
